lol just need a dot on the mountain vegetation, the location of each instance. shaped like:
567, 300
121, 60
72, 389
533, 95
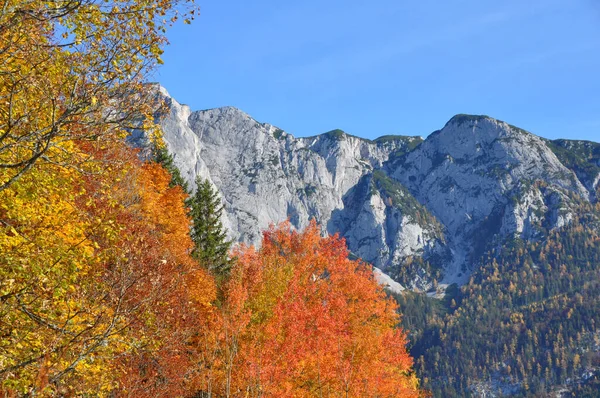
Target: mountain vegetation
524, 324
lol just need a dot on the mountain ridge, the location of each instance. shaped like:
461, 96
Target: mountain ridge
461, 176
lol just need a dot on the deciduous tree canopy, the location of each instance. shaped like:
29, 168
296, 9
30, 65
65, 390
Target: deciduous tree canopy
74, 69
301, 319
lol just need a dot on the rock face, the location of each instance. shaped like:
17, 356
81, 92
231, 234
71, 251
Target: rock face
476, 175
418, 210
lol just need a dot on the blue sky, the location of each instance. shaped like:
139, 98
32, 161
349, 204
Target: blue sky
393, 67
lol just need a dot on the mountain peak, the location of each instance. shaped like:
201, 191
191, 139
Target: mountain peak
463, 118
472, 120
336, 133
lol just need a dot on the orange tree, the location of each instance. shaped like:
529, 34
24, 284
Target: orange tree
301, 319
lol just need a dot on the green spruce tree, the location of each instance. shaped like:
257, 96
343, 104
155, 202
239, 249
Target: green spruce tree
211, 247
161, 155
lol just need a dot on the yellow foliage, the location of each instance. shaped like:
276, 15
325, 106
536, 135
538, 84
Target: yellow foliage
75, 70
93, 266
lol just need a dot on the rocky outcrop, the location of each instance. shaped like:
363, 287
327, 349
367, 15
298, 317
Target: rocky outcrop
470, 176
418, 210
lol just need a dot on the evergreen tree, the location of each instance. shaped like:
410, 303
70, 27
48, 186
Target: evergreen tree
211, 246
162, 156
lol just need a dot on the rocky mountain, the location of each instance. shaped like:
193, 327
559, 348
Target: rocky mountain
422, 211
477, 177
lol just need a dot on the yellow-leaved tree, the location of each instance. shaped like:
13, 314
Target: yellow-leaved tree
72, 69
95, 271
98, 291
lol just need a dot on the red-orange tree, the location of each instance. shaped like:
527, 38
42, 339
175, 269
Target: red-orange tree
302, 320
168, 297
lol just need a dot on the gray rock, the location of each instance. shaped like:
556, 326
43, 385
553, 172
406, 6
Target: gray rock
467, 173
395, 200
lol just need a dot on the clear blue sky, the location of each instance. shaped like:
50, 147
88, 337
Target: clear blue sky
391, 66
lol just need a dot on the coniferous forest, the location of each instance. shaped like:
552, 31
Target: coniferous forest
524, 325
